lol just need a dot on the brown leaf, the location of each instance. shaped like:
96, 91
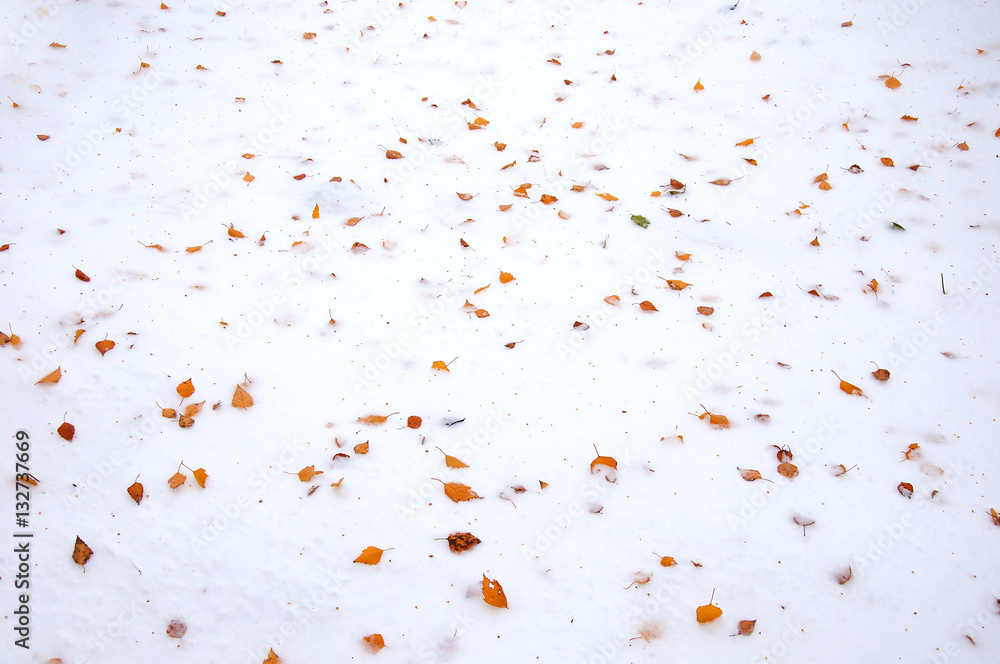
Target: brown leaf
135, 491
176, 629
81, 552
706, 311
887, 161
493, 593
66, 431
459, 542
81, 276
745, 627
374, 642
361, 448
787, 469
905, 489
715, 421
646, 305
176, 480
413, 422
844, 577
185, 421
104, 346
241, 399
193, 409
372, 420
881, 374
465, 197
51, 377
995, 516
185, 389
372, 555
963, 146
500, 146
892, 83
722, 182
750, 475
667, 561
677, 284
393, 154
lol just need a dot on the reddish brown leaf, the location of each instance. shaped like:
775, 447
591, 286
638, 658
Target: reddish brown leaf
459, 542
66, 431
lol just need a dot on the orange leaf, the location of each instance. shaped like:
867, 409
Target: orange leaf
414, 421
715, 421
309, 35
81, 276
52, 377
439, 364
849, 388
963, 146
503, 168
674, 213
845, 576
482, 313
612, 299
307, 473
465, 197
135, 491
81, 552
500, 146
458, 492
193, 409
66, 431
372, 420
200, 476
176, 480
747, 142
892, 83
608, 197
698, 86
493, 593
576, 125
451, 461
248, 178
234, 233
706, 311
745, 628
564, 215
646, 305
393, 154
578, 187
721, 182
815, 241
548, 200
504, 208
708, 613
372, 555
905, 489
353, 221
667, 561
995, 516
755, 56
481, 121
186, 388
603, 461
909, 118
886, 161
104, 346
506, 277
677, 284
825, 186
241, 399
315, 214
375, 642
682, 255
42, 137
272, 658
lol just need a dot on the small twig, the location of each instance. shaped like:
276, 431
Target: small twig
942, 284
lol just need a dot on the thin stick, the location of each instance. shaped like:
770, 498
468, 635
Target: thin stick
942, 284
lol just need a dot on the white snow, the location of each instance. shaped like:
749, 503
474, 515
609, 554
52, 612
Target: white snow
257, 560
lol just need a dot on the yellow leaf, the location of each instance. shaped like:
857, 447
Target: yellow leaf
81, 552
608, 197
200, 476
892, 83
458, 492
439, 364
451, 461
708, 613
185, 389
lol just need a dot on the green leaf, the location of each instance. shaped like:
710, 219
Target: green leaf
640, 220
896, 227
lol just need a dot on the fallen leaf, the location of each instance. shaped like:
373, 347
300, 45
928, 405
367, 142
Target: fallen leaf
547, 199
372, 420
440, 365
603, 461
493, 593
81, 552
42, 137
459, 542
176, 629
393, 154
361, 448
908, 118
413, 422
640, 220
450, 461
81, 276
66, 431
308, 473
51, 377
715, 421
787, 469
675, 213
751, 475
458, 492
706, 311
698, 87
185, 421
886, 161
359, 248
506, 277
748, 142
708, 613
176, 480
815, 241
892, 83
646, 305
500, 146
745, 628
482, 313
848, 387
677, 284
372, 555
905, 489
722, 182
242, 399
667, 561
375, 642
465, 197
135, 491
963, 146
272, 658
193, 408
200, 476
608, 197
185, 389
844, 577
995, 516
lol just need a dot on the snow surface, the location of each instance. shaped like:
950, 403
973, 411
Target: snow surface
258, 560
